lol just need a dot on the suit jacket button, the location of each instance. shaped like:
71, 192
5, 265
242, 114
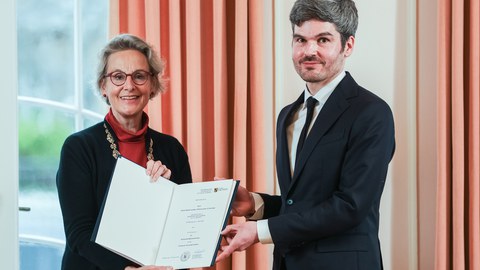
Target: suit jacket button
289, 201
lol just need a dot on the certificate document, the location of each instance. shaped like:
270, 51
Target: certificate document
162, 223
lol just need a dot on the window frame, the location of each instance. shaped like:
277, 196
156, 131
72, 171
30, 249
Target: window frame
76, 108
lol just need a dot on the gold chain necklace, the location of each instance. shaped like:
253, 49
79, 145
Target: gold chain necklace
113, 145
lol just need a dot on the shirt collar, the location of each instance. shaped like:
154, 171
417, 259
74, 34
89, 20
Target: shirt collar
325, 91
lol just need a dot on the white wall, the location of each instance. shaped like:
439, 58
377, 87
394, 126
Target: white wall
383, 61
8, 139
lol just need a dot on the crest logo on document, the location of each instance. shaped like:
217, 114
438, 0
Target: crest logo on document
185, 256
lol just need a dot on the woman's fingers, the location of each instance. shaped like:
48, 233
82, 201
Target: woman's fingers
155, 169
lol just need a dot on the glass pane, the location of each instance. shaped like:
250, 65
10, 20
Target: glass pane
90, 121
45, 49
42, 131
94, 37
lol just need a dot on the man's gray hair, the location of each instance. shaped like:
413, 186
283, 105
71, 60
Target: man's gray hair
342, 13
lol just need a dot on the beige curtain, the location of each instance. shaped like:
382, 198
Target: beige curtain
458, 197
216, 95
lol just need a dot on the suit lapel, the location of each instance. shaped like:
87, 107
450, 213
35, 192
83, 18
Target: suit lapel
283, 156
335, 105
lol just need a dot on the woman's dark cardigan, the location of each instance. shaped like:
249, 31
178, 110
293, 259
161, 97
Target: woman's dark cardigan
85, 169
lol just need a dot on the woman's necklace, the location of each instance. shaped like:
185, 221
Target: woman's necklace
113, 145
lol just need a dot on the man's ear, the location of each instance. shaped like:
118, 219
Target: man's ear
349, 46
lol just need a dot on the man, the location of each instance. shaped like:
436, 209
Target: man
327, 216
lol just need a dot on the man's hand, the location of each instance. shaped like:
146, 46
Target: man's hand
238, 238
155, 169
244, 204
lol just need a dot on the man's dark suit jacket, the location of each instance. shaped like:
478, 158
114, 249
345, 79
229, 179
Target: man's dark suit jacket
327, 216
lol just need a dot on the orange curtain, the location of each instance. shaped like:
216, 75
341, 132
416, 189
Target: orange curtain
458, 196
216, 93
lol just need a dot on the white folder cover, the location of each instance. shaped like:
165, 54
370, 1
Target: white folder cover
162, 223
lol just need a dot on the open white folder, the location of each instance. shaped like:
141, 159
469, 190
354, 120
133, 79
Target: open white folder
162, 223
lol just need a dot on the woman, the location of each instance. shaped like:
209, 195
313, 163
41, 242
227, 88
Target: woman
128, 77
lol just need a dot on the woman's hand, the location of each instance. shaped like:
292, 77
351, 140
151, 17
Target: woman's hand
155, 169
149, 267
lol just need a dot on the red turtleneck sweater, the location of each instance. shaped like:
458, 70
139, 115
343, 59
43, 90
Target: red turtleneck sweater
130, 145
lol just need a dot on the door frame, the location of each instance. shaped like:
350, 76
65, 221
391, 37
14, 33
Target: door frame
9, 247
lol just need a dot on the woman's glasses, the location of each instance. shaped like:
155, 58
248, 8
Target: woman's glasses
139, 77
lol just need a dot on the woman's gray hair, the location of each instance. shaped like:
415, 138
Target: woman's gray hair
125, 42
342, 13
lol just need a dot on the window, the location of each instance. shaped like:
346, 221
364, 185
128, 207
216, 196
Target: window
58, 46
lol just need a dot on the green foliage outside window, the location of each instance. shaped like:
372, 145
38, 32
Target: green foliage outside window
40, 141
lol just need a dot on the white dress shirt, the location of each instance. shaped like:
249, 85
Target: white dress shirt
293, 133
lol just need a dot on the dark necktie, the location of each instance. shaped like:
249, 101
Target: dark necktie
311, 102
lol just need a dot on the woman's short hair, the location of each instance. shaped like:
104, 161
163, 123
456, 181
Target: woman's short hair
124, 42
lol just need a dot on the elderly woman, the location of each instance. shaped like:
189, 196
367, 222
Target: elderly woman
128, 77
